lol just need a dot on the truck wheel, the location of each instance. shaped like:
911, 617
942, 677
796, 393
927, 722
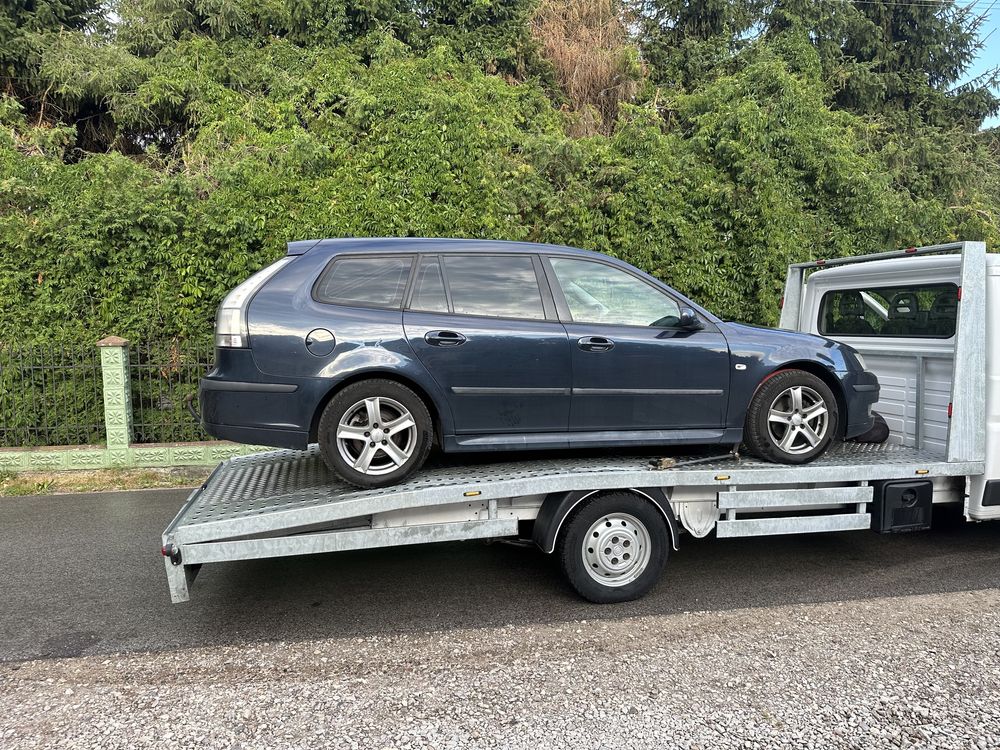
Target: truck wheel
375, 433
792, 418
613, 547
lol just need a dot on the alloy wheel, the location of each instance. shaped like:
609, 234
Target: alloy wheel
376, 436
798, 420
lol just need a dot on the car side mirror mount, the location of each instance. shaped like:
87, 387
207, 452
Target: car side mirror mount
689, 320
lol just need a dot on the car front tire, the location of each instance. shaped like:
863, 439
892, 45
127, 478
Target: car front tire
375, 433
792, 418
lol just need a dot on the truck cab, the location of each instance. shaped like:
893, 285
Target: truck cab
903, 315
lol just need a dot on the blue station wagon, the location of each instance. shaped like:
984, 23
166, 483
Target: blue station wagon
378, 349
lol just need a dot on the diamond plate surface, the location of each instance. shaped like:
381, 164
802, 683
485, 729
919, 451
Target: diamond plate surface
281, 489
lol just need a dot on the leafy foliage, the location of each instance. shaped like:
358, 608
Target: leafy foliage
172, 154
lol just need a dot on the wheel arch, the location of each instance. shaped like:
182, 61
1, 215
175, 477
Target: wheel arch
431, 404
557, 506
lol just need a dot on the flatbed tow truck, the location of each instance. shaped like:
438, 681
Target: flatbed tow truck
936, 402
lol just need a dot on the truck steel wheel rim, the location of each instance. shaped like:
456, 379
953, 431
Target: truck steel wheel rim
376, 436
798, 420
616, 549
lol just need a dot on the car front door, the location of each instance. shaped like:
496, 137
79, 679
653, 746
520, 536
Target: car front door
634, 367
488, 334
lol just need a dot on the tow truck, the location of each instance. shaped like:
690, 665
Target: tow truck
611, 518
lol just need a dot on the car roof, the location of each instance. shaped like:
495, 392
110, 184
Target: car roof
435, 244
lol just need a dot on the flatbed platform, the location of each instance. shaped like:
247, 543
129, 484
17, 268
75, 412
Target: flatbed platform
287, 502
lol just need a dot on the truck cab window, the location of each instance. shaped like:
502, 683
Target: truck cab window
916, 311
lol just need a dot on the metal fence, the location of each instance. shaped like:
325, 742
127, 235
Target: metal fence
50, 395
53, 395
163, 375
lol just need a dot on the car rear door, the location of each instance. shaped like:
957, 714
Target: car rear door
485, 327
633, 367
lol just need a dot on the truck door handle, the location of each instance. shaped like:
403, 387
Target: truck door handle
595, 344
444, 338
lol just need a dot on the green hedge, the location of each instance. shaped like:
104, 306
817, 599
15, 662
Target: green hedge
714, 191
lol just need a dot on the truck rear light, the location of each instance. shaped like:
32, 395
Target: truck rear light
949, 410
231, 329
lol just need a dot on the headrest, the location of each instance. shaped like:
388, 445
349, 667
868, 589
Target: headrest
904, 306
851, 305
945, 306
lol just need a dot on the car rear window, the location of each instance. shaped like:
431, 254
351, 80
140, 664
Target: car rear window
914, 311
499, 286
365, 282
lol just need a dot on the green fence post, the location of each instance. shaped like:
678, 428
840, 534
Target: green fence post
117, 399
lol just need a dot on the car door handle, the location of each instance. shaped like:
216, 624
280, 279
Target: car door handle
595, 344
444, 338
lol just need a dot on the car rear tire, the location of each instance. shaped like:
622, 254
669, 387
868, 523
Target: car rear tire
792, 418
613, 547
375, 433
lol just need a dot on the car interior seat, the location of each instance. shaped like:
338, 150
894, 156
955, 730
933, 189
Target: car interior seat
904, 312
852, 316
943, 314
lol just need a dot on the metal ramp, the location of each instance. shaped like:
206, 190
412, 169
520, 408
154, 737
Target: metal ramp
282, 503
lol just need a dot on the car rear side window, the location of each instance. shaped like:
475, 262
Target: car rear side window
916, 311
428, 287
365, 282
499, 286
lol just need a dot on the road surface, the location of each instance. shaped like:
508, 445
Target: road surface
82, 575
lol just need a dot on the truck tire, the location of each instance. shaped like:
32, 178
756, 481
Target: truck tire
375, 433
613, 547
792, 418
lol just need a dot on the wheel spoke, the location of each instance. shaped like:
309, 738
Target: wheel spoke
789, 438
394, 452
399, 424
810, 435
374, 409
796, 398
365, 459
350, 432
816, 410
781, 417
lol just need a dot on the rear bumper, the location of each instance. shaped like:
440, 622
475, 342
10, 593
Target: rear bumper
861, 392
239, 403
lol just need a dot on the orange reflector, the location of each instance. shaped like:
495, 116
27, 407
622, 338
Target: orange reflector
721, 477
472, 493
923, 471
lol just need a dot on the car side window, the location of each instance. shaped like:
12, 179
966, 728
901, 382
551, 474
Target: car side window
499, 286
916, 311
599, 293
378, 281
428, 287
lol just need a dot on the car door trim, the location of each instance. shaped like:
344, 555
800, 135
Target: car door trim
462, 390
648, 391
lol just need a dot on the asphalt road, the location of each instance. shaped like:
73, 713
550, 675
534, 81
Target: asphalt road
82, 575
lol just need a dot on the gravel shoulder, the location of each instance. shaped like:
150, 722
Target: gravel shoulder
915, 671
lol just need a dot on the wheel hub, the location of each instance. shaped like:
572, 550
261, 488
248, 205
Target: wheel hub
616, 549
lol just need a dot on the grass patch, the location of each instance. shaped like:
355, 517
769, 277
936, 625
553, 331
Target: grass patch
98, 480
